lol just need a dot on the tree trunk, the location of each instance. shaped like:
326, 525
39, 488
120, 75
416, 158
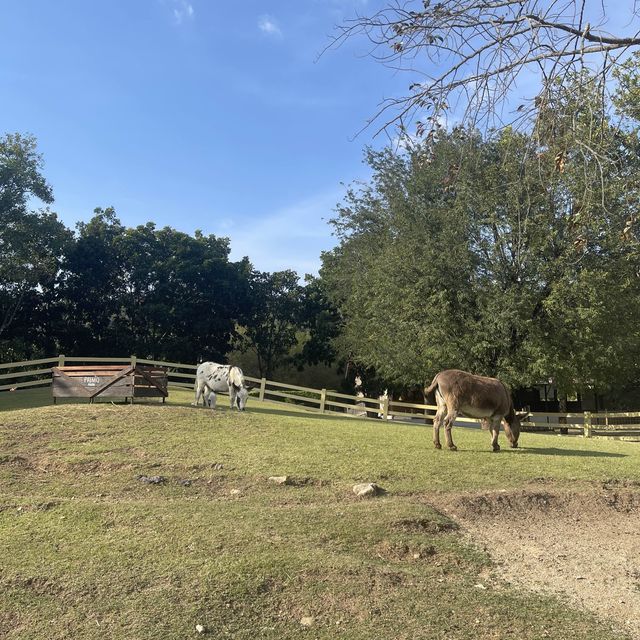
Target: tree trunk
562, 408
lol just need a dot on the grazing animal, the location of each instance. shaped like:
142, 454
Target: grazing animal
488, 399
220, 377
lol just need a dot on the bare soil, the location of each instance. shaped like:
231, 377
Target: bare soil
582, 544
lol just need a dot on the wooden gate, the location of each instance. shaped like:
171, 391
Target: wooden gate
109, 381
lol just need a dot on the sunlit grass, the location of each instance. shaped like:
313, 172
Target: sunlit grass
90, 550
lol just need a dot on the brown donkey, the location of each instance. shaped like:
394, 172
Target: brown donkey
488, 399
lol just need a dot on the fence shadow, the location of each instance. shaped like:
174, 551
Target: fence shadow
577, 453
297, 410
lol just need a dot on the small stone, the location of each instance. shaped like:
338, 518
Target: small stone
479, 586
280, 479
185, 483
200, 628
152, 479
367, 490
235, 492
416, 556
306, 621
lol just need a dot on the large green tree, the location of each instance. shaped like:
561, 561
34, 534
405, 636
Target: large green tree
512, 255
270, 328
183, 297
31, 245
91, 286
159, 293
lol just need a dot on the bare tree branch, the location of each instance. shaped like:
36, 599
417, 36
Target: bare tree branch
467, 59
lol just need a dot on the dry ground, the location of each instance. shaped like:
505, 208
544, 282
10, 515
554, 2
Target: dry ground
582, 544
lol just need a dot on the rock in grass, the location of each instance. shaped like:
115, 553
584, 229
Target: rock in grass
280, 479
200, 628
307, 621
367, 490
152, 479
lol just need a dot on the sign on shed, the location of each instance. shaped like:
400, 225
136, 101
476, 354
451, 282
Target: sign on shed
109, 381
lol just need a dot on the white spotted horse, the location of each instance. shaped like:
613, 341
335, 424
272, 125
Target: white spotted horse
220, 377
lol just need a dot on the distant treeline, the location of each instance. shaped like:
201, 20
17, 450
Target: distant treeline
109, 290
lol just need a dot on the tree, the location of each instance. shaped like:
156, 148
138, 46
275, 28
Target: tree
466, 58
31, 242
159, 293
494, 257
403, 273
183, 297
91, 287
321, 322
271, 325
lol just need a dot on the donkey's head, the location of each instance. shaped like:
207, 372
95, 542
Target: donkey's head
512, 429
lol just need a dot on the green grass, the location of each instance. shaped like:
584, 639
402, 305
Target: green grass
88, 550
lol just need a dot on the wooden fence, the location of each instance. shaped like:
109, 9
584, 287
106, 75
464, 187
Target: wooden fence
37, 373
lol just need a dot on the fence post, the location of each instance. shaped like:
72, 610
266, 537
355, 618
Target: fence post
323, 399
61, 360
134, 360
587, 424
385, 408
263, 385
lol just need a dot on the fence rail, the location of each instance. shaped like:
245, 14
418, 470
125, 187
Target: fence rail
182, 376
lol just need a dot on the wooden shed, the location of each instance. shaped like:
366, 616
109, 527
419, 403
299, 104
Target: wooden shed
109, 381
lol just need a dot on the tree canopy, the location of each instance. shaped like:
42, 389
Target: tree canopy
511, 255
31, 242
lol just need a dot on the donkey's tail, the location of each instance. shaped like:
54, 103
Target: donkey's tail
236, 377
429, 391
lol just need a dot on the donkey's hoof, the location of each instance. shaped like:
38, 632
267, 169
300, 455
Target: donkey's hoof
496, 448
453, 447
438, 445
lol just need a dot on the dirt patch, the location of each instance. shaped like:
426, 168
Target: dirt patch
426, 525
583, 544
14, 461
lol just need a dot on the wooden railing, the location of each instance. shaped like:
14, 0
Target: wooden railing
182, 376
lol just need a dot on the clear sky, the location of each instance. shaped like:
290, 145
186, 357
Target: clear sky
197, 114
200, 114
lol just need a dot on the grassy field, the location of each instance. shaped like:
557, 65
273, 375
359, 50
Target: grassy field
88, 549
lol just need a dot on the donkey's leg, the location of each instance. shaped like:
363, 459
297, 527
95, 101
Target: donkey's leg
232, 396
495, 430
437, 421
448, 424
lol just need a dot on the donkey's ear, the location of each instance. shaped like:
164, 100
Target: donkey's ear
522, 415
250, 385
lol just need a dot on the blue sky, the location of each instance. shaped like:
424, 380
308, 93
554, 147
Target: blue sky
195, 114
201, 114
